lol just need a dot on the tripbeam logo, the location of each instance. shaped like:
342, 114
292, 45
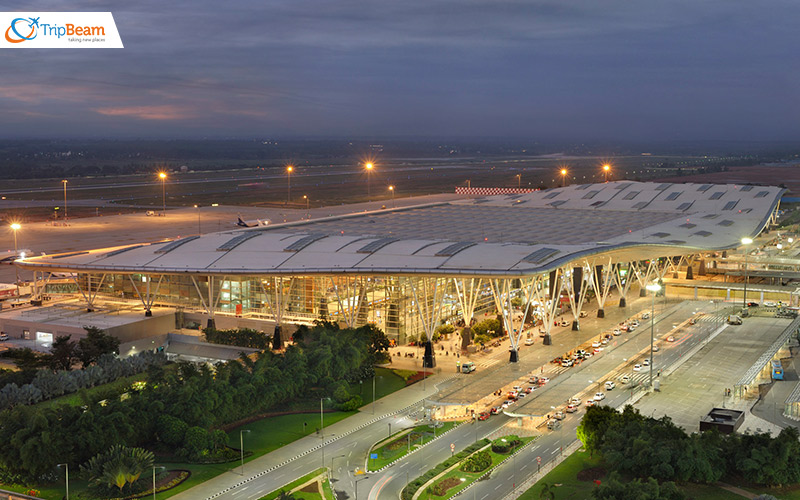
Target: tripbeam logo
59, 30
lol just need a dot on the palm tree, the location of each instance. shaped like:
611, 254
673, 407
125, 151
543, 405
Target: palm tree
548, 492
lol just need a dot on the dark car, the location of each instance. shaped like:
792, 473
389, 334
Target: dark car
483, 415
753, 304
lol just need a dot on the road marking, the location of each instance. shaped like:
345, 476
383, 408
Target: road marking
379, 485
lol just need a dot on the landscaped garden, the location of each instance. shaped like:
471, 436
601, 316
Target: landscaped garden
464, 468
628, 455
187, 418
403, 442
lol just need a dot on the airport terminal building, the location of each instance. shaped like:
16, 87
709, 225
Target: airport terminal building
409, 269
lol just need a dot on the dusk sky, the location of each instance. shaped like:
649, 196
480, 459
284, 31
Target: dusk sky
562, 70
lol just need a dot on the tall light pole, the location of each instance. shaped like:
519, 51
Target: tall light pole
16, 227
519, 181
746, 242
289, 171
606, 170
369, 166
391, 188
321, 433
65, 200
241, 446
154, 478
199, 231
163, 177
358, 481
305, 197
563, 177
66, 480
653, 287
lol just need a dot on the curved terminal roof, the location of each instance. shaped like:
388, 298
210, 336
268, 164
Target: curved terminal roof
499, 235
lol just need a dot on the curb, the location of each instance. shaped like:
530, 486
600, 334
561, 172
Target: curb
489, 472
412, 451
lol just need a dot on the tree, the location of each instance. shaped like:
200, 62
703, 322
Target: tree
96, 343
594, 425
548, 492
64, 353
119, 467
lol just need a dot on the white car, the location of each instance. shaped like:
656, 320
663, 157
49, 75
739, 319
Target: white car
599, 396
616, 332
3, 337
604, 342
655, 348
637, 368
635, 323
528, 341
625, 379
575, 401
609, 385
670, 339
646, 362
596, 344
517, 388
645, 315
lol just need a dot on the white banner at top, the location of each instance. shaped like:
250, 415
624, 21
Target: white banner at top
59, 30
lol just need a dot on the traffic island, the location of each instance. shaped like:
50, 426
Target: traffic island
313, 485
463, 469
400, 444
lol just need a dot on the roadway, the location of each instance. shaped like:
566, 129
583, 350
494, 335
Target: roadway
350, 453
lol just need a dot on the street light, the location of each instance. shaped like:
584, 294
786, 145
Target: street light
655, 288
154, 478
199, 231
163, 177
65, 200
305, 197
606, 169
16, 227
519, 181
334, 458
289, 171
369, 166
563, 177
391, 188
321, 433
66, 480
358, 481
745, 242
241, 446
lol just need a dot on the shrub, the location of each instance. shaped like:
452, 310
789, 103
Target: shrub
478, 462
505, 444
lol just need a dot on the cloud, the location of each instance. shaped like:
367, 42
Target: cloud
163, 112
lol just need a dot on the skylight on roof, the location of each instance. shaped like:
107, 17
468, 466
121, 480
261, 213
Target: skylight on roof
688, 225
662, 187
761, 194
453, 249
172, 245
238, 240
730, 205
552, 195
304, 242
641, 204
540, 255
725, 222
673, 195
582, 187
631, 195
685, 205
590, 195
376, 245
717, 195
704, 187
703, 233
746, 188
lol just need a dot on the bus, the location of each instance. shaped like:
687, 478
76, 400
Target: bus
777, 370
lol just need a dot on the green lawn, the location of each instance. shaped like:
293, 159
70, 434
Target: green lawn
398, 447
386, 382
118, 386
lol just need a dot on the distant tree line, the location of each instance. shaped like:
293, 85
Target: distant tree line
636, 446
183, 408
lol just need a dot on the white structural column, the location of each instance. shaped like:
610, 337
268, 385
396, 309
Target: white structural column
275, 300
429, 294
501, 291
623, 278
576, 284
147, 297
601, 284
642, 271
467, 291
348, 299
91, 292
547, 291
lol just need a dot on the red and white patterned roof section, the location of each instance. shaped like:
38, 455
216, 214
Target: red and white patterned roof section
511, 234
